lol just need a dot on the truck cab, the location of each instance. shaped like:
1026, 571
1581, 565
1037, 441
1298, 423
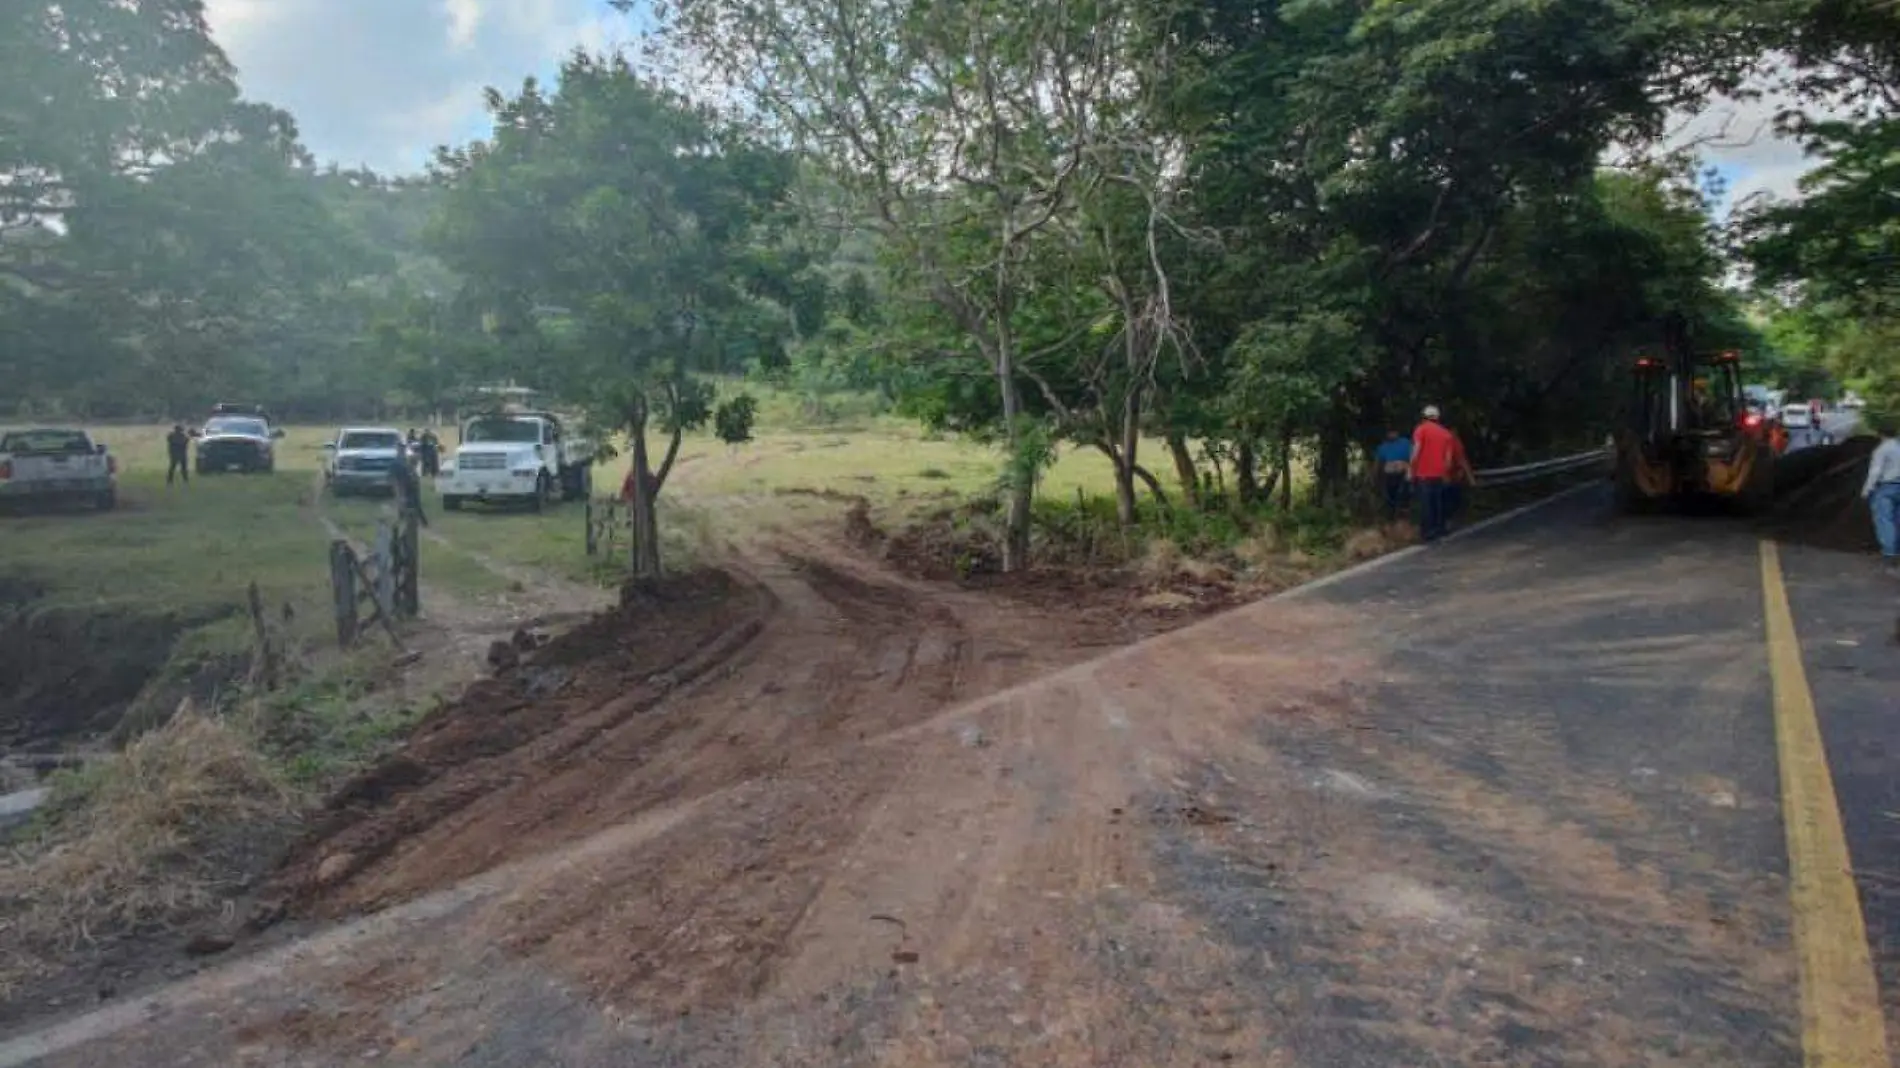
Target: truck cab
516, 457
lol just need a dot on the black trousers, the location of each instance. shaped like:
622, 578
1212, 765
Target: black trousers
180, 466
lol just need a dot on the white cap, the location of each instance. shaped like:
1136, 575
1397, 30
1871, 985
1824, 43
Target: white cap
1431, 411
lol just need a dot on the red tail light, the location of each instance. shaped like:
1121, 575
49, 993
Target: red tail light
6, 470
112, 465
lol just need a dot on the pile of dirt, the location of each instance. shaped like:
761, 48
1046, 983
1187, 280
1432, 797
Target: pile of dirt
961, 545
538, 714
1822, 505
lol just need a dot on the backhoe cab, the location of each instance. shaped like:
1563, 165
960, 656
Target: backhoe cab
1690, 432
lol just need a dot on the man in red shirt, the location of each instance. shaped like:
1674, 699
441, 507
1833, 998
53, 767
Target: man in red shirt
1434, 450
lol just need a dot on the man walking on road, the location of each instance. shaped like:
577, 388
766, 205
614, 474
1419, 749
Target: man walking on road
1432, 454
178, 450
1883, 496
1395, 466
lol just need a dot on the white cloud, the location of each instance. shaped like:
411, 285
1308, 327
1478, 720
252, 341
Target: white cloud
465, 17
382, 82
1739, 137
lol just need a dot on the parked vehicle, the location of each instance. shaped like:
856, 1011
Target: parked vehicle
361, 459
517, 457
53, 464
237, 443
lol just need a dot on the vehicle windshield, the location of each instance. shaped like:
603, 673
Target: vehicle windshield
371, 439
505, 430
250, 428
27, 442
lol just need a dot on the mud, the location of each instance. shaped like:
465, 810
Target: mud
691, 687
529, 722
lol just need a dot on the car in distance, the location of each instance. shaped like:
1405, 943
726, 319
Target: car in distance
1797, 416
361, 458
237, 443
55, 464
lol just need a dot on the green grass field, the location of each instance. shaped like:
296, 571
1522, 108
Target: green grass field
186, 547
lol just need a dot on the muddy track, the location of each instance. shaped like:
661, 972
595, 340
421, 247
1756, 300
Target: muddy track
791, 657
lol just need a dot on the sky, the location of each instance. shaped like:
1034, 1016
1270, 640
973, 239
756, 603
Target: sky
382, 82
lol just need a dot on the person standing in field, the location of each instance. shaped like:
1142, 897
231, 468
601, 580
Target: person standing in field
1432, 451
178, 452
431, 447
1882, 493
1394, 459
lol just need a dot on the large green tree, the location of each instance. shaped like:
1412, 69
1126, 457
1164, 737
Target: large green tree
619, 226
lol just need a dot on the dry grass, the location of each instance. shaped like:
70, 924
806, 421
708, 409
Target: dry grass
161, 830
1376, 541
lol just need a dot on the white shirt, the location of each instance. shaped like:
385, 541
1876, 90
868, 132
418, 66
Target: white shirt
1884, 467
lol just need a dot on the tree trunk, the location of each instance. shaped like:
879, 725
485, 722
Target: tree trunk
1022, 486
1286, 471
1124, 488
645, 549
1335, 460
1184, 469
1246, 475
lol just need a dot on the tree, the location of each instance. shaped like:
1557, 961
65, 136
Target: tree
613, 225
957, 132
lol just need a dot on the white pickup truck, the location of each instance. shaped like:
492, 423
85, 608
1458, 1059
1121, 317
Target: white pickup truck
51, 464
516, 458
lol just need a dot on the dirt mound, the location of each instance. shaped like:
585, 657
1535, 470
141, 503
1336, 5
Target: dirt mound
961, 545
1823, 506
531, 720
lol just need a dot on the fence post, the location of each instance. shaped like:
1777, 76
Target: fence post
343, 589
408, 584
593, 539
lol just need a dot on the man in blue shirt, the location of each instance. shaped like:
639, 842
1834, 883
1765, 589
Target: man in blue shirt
1394, 459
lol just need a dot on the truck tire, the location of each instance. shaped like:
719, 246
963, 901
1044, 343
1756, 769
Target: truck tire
1629, 499
571, 487
107, 500
1758, 496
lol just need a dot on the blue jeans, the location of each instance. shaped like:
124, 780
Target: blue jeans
1886, 505
1432, 520
1397, 490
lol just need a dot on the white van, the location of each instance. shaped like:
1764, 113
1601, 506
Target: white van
1797, 417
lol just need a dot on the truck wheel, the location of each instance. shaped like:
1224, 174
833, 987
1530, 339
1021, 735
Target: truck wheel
1629, 499
451, 503
572, 488
107, 500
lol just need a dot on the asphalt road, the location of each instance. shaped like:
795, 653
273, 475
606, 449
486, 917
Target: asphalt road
1834, 426
1610, 674
1559, 813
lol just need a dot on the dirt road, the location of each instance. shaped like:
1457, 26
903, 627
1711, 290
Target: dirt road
818, 815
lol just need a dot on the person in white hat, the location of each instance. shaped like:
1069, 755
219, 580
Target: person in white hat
1433, 450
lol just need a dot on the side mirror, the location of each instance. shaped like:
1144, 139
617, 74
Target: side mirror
276, 433
330, 445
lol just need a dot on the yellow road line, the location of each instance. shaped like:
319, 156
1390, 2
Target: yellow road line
1841, 1021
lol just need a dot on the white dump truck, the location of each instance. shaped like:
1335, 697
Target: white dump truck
517, 457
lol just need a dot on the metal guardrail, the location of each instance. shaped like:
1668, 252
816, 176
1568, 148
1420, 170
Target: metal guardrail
1506, 476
